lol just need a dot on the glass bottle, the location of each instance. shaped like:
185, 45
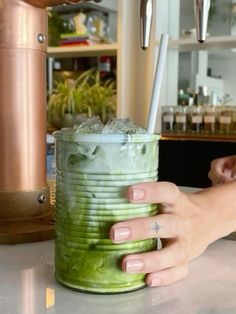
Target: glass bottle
225, 120
209, 120
202, 97
234, 119
168, 117
196, 119
181, 119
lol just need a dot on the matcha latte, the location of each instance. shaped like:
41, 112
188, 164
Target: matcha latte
95, 166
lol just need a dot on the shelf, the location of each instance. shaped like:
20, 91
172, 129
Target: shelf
189, 44
198, 137
83, 51
66, 9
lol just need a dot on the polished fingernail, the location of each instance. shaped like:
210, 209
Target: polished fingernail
155, 281
137, 194
120, 234
133, 265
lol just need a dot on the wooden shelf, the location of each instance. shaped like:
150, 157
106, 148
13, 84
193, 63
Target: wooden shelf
83, 51
198, 137
188, 44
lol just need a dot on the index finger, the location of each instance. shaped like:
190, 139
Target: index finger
165, 193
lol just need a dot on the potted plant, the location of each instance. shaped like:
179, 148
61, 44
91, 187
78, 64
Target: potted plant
73, 101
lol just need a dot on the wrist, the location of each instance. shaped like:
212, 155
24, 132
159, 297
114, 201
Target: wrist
219, 206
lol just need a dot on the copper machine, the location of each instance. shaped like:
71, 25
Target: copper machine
25, 212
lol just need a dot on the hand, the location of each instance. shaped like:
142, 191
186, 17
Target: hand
187, 222
223, 170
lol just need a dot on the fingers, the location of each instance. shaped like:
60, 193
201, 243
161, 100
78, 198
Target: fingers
174, 254
222, 170
160, 226
216, 171
154, 192
167, 276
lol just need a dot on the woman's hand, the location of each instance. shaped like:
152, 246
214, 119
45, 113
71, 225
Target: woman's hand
188, 223
223, 170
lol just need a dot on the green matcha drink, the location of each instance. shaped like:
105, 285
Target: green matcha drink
95, 166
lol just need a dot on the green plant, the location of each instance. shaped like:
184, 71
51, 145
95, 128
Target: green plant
87, 95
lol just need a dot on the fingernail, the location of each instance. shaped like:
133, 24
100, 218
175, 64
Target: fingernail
133, 265
155, 281
120, 234
137, 194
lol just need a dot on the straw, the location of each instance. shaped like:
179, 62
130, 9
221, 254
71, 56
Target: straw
157, 83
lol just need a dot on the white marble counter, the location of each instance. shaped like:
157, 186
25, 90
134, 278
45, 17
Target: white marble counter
27, 286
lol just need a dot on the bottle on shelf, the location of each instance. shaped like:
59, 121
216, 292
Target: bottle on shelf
168, 118
209, 119
196, 119
202, 98
181, 119
225, 120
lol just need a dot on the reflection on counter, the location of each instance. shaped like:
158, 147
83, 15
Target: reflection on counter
208, 120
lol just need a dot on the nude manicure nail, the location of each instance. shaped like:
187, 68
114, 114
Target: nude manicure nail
155, 281
120, 234
137, 194
133, 265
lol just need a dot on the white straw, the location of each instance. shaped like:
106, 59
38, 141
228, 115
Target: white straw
157, 83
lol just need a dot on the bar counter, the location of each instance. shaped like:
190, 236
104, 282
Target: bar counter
28, 286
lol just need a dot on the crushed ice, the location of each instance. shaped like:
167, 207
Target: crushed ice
94, 125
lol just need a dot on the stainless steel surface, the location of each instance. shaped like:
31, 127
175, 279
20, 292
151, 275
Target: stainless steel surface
146, 8
201, 8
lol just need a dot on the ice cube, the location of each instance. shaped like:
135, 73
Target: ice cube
124, 126
110, 130
91, 125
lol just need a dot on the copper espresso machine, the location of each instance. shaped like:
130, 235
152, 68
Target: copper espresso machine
25, 212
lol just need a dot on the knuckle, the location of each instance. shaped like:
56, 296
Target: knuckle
154, 262
176, 190
174, 226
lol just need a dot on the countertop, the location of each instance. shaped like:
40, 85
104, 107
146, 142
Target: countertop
28, 286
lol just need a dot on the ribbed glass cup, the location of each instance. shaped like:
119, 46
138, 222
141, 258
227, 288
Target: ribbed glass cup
93, 174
